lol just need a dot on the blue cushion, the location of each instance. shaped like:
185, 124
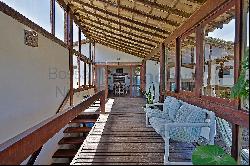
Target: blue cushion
188, 114
172, 108
153, 113
159, 125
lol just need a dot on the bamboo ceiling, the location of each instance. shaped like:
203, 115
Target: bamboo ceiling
132, 26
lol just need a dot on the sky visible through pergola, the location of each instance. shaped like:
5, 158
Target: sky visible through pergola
39, 12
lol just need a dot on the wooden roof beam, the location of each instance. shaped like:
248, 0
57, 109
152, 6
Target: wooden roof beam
123, 24
143, 25
120, 48
98, 29
141, 13
165, 8
109, 39
120, 40
197, 17
119, 30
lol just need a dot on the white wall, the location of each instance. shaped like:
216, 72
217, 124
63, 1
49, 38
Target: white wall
29, 94
153, 77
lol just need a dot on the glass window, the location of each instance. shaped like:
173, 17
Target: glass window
170, 71
188, 62
59, 21
218, 76
75, 33
75, 72
36, 11
82, 73
87, 74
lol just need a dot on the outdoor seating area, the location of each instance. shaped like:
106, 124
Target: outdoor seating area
124, 82
180, 121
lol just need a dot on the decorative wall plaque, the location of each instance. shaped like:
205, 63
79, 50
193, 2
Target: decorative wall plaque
31, 38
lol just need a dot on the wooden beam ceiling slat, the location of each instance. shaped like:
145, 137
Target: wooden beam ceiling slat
109, 39
119, 48
165, 8
99, 29
143, 25
120, 30
123, 24
141, 13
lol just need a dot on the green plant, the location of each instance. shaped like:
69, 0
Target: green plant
241, 88
211, 155
149, 96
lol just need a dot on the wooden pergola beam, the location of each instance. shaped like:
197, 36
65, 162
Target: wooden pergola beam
117, 29
135, 49
141, 13
124, 43
92, 27
120, 17
121, 38
121, 48
123, 24
197, 17
165, 8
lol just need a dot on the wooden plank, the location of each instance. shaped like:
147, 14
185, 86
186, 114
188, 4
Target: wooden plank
125, 25
106, 12
78, 58
178, 65
71, 69
199, 69
162, 72
165, 8
121, 31
141, 13
205, 10
17, 149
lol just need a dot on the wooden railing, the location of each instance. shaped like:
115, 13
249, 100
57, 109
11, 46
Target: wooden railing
226, 111
17, 149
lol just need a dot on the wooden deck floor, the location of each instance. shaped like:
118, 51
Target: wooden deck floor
121, 137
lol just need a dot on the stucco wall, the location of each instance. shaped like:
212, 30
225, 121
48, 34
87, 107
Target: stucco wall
33, 81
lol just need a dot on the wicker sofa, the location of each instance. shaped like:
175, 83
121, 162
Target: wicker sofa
180, 121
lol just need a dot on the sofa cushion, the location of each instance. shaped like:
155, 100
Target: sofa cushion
188, 114
172, 108
153, 113
159, 125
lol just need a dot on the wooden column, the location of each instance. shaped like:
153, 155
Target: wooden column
131, 80
102, 102
143, 76
106, 82
78, 60
199, 60
70, 47
240, 44
162, 72
52, 16
90, 57
85, 73
177, 65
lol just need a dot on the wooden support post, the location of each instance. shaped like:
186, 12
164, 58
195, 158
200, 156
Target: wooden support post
143, 75
240, 44
199, 60
78, 60
131, 81
178, 65
70, 46
52, 16
90, 57
85, 73
106, 82
162, 72
102, 102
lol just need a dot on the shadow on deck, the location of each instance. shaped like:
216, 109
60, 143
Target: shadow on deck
121, 137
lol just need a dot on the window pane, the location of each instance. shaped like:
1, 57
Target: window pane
87, 74
171, 54
36, 11
59, 22
75, 33
188, 61
218, 77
